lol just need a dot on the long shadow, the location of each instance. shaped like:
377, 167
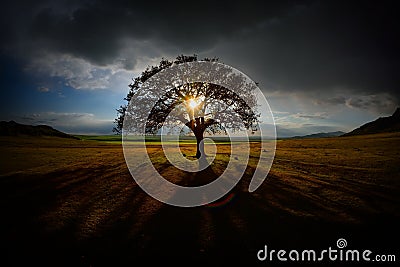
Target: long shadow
141, 230
232, 232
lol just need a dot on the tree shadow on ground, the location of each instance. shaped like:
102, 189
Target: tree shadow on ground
138, 229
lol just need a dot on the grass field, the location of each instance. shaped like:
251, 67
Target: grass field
74, 203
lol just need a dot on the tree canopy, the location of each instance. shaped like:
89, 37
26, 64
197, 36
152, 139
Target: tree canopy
200, 106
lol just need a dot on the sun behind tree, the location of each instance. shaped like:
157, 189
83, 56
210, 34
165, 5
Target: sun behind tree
192, 103
200, 106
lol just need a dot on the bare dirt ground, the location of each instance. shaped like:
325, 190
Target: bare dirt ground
74, 203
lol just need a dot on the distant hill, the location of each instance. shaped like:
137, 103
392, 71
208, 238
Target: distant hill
320, 135
381, 125
13, 128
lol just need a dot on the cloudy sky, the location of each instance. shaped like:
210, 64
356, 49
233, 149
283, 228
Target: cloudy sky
323, 65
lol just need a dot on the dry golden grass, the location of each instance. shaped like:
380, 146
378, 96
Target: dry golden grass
79, 200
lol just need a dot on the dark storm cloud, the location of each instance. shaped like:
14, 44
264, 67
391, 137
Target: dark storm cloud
98, 30
378, 103
307, 47
328, 45
337, 100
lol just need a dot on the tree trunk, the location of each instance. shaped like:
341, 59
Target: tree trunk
198, 126
200, 145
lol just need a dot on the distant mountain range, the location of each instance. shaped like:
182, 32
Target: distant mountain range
381, 125
12, 128
319, 135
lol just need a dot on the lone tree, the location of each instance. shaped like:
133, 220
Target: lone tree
201, 106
